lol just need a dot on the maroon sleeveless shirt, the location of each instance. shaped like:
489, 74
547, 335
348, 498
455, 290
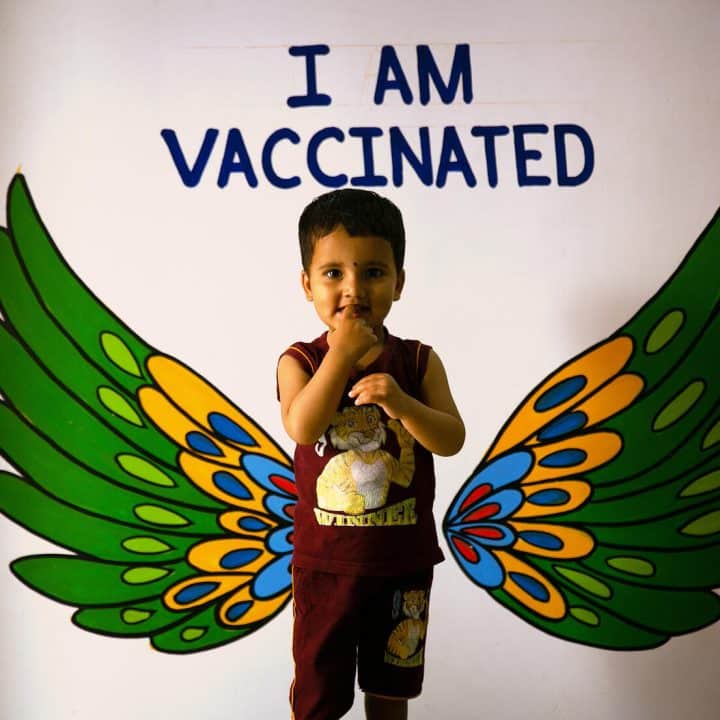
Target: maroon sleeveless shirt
366, 487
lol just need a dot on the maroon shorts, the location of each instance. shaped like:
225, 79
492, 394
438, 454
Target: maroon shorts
375, 623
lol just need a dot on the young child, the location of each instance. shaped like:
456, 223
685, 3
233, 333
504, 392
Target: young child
367, 410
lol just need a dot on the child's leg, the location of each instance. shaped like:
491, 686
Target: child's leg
324, 645
379, 708
391, 649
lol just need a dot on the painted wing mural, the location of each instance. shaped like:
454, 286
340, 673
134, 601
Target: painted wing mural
595, 515
176, 505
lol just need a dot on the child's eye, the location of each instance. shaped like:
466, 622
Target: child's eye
332, 274
375, 273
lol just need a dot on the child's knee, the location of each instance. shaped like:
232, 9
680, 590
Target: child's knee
378, 707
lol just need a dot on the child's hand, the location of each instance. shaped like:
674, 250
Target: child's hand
351, 335
380, 389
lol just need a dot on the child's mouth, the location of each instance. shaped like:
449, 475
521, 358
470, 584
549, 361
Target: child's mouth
355, 310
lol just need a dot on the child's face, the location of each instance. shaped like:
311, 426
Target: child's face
350, 271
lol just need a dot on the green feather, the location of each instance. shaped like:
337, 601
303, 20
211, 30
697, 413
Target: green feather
668, 612
691, 460
693, 293
667, 416
137, 619
587, 624
199, 632
76, 310
57, 356
87, 534
696, 568
638, 505
74, 427
86, 490
86, 583
662, 533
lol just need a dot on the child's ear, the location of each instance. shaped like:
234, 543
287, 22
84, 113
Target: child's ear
305, 280
399, 284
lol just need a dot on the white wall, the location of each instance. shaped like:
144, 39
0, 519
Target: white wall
505, 282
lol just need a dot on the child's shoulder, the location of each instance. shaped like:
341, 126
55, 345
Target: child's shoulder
308, 354
414, 349
409, 357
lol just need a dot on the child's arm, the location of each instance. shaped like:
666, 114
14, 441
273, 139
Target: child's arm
434, 421
307, 403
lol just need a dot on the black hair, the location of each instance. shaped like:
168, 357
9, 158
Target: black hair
360, 212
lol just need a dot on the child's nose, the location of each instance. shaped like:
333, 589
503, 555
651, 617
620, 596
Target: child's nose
354, 285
